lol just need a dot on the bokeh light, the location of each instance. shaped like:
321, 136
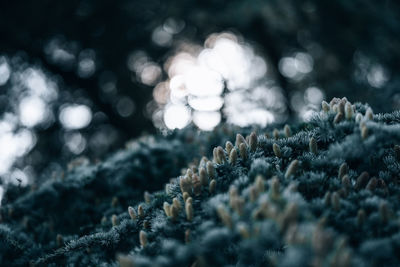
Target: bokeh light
176, 116
75, 116
297, 66
216, 80
4, 71
32, 110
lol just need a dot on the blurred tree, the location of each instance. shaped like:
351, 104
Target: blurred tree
89, 50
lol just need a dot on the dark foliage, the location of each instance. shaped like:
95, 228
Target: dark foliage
323, 193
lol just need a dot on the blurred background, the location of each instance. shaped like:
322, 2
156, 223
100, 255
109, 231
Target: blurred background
81, 77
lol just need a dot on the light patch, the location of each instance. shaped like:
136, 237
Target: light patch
206, 120
304, 62
86, 64
296, 66
5, 71
18, 177
86, 67
150, 74
314, 95
14, 145
201, 81
125, 106
173, 26
1, 194
307, 114
177, 87
256, 116
75, 143
35, 80
176, 116
377, 76
287, 67
203, 78
211, 103
161, 37
75, 116
32, 111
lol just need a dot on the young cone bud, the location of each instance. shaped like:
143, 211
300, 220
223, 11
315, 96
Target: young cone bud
358, 118
189, 200
287, 130
140, 211
114, 220
212, 186
346, 182
203, 161
239, 140
364, 132
362, 180
253, 141
275, 187
224, 216
220, 155
277, 150
210, 169
215, 156
275, 133
243, 151
185, 196
372, 184
259, 184
203, 176
125, 261
167, 209
233, 157
334, 101
176, 203
189, 211
233, 191
189, 173
325, 106
338, 118
335, 108
197, 188
147, 197
243, 230
253, 193
143, 238
341, 106
369, 114
228, 147
132, 213
348, 111
174, 212
185, 184
292, 168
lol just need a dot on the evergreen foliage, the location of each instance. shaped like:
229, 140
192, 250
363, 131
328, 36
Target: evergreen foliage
322, 193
